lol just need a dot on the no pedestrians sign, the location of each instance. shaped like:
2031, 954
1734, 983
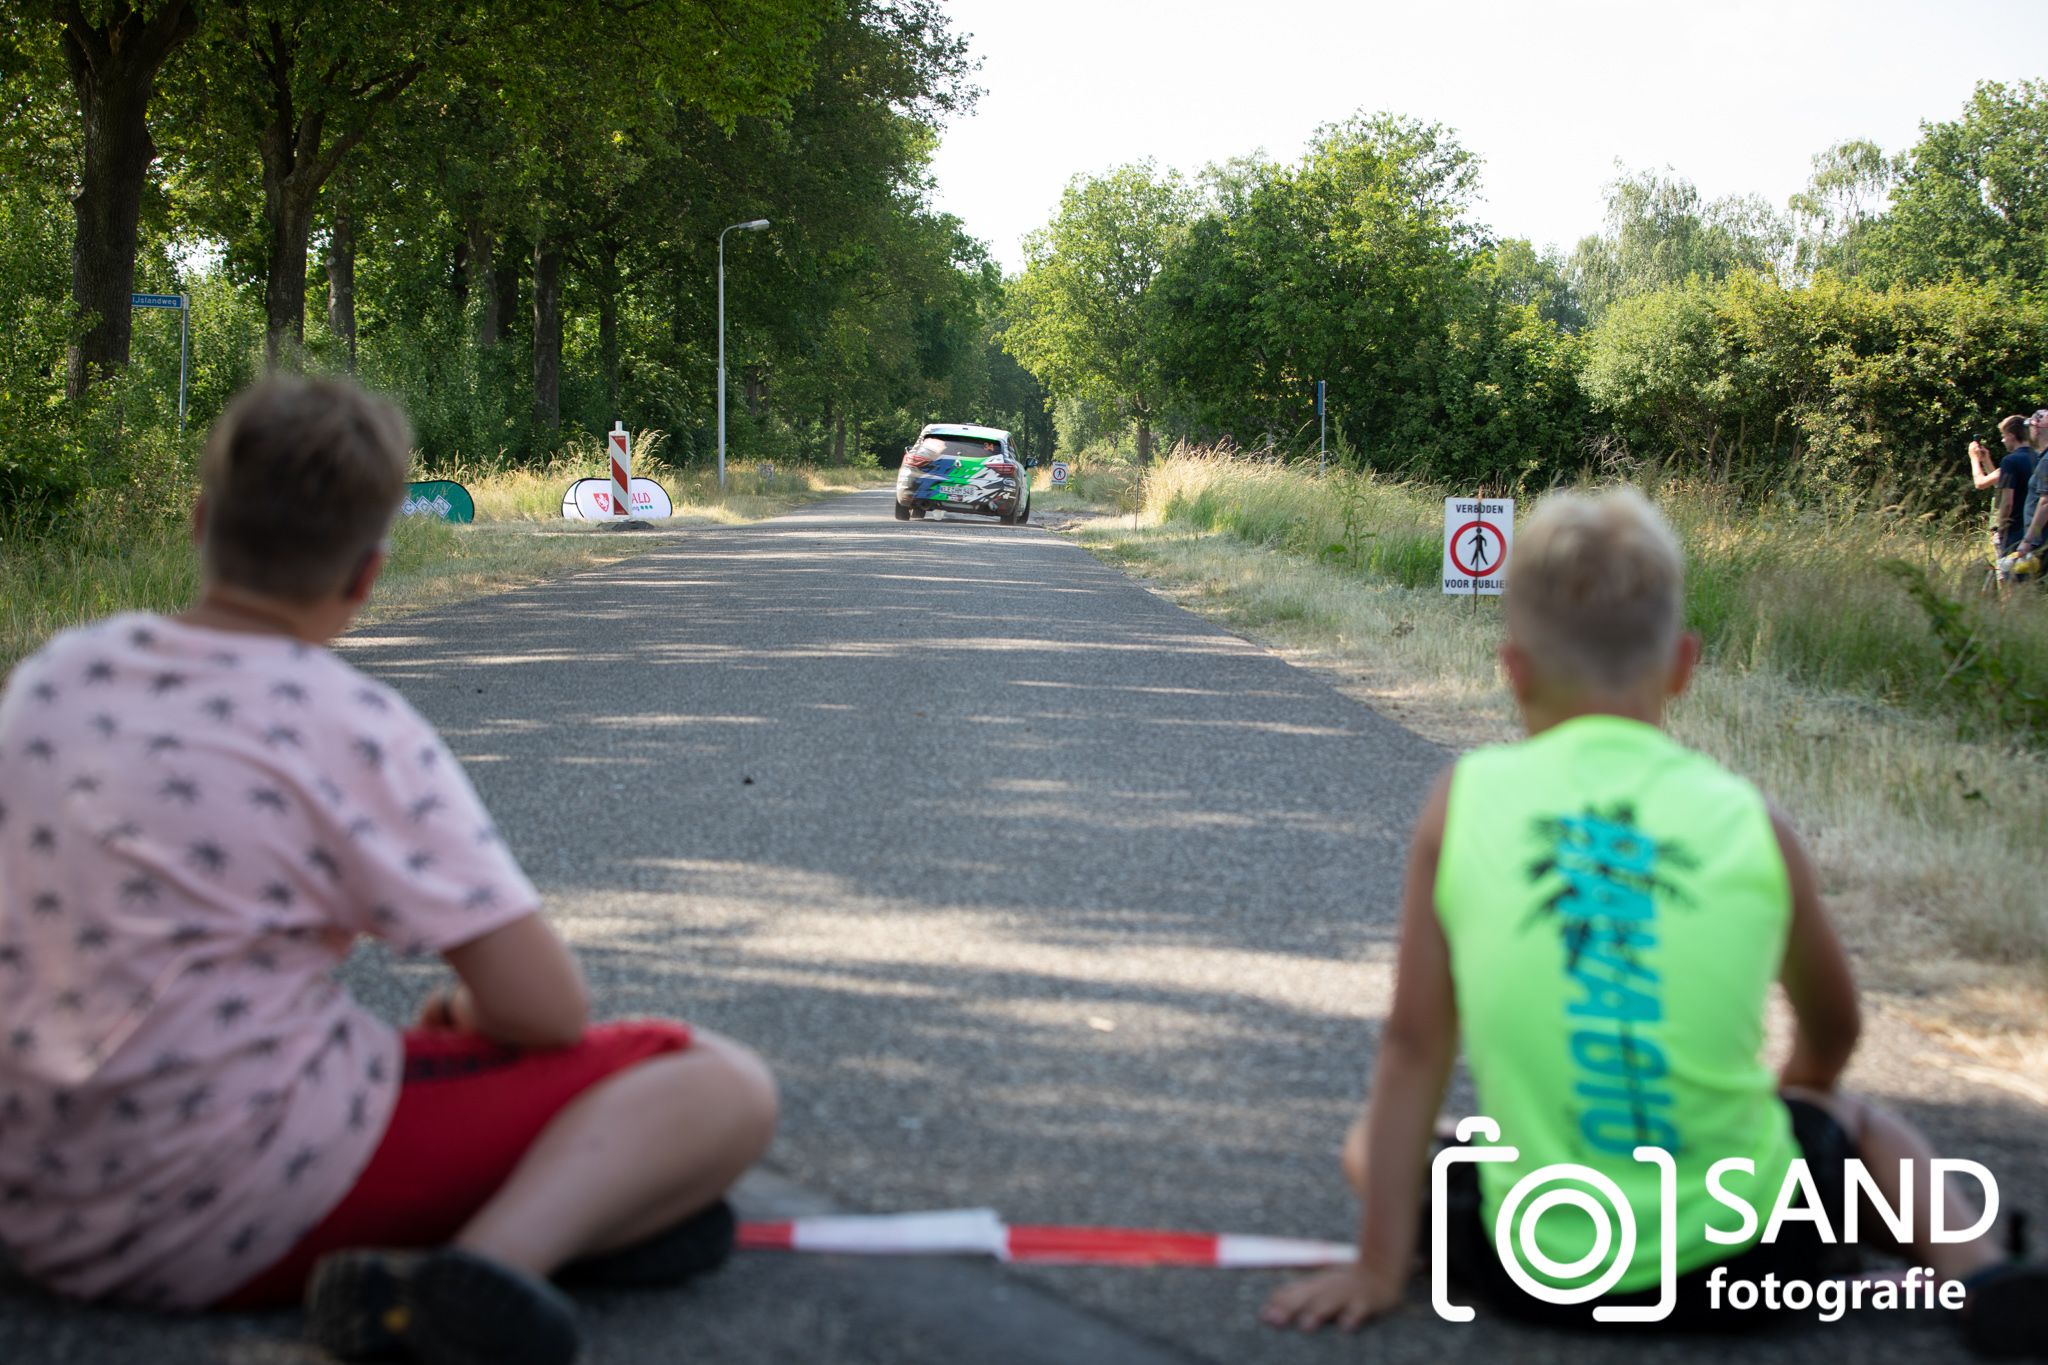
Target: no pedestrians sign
1478, 533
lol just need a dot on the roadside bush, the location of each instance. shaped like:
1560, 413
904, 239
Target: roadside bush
1837, 390
42, 466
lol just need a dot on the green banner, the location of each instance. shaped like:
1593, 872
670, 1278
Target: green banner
443, 498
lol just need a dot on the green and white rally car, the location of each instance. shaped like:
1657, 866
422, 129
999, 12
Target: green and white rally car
956, 467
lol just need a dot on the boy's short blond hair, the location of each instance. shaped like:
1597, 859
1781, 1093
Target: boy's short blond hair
1596, 590
302, 477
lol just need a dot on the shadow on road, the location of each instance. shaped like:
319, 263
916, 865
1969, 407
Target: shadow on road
1037, 891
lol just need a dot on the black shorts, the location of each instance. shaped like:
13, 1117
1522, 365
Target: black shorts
1797, 1254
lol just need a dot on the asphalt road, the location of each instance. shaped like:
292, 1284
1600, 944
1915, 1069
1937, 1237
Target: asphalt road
1037, 891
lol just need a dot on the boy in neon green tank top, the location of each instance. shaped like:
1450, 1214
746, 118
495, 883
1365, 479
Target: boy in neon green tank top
1601, 914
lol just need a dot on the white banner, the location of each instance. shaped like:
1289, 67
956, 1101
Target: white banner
591, 500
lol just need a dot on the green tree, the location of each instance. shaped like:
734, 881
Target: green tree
1540, 280
1833, 216
1972, 197
860, 304
1080, 319
588, 157
293, 86
512, 148
1660, 232
38, 466
300, 84
1350, 267
113, 52
1017, 401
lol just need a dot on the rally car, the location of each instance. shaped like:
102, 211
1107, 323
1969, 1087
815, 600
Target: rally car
955, 467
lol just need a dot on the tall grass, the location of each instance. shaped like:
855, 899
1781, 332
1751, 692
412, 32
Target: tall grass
1776, 586
51, 581
129, 548
1822, 684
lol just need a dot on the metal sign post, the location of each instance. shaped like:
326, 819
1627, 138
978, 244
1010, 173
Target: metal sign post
183, 303
1322, 427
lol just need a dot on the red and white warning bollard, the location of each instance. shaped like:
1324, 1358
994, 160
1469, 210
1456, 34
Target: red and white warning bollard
619, 445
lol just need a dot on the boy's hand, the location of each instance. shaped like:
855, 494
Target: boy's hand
449, 1009
1348, 1295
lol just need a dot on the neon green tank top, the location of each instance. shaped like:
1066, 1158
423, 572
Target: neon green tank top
1616, 908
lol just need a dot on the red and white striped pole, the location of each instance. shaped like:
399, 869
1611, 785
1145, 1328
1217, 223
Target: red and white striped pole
1151, 1246
981, 1232
620, 447
945, 1232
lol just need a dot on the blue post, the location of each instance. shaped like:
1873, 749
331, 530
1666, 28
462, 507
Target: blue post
1322, 427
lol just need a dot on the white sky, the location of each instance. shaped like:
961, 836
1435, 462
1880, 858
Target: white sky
1735, 95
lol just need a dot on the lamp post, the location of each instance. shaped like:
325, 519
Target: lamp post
756, 225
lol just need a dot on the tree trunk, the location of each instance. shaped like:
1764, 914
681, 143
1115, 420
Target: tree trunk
113, 74
506, 285
839, 439
1144, 441
608, 324
341, 281
678, 319
484, 284
547, 334
291, 191
297, 161
290, 211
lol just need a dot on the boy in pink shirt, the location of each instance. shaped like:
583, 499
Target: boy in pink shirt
199, 814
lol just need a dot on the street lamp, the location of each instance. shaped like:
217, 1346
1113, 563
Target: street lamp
754, 226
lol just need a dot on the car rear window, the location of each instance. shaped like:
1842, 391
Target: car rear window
960, 447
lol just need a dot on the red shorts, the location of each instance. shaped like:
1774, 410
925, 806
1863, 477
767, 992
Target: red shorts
466, 1114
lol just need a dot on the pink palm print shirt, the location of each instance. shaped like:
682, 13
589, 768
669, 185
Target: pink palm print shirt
195, 827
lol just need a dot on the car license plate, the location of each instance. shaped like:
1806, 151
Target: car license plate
960, 494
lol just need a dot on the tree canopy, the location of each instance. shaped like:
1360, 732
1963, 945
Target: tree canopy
504, 212
507, 214
1856, 339
1081, 319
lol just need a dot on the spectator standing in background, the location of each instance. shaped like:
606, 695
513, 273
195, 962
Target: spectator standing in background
2008, 477
2034, 508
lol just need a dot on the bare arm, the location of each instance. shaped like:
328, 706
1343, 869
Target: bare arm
1980, 475
1816, 977
520, 985
1416, 1050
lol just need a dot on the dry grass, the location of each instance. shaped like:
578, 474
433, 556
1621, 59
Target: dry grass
534, 493
103, 564
1930, 845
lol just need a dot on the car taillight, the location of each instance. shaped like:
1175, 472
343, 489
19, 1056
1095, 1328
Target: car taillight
1001, 467
917, 461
